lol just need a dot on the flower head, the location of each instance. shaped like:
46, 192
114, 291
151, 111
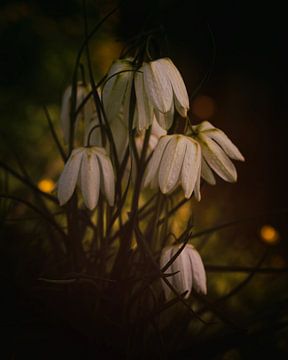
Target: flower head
217, 150
117, 90
175, 160
189, 267
165, 87
159, 88
93, 169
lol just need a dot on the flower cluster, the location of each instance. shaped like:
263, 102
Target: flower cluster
176, 159
130, 125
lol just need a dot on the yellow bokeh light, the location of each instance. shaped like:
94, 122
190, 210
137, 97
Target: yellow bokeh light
269, 234
46, 185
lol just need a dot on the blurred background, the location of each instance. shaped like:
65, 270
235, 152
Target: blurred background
234, 63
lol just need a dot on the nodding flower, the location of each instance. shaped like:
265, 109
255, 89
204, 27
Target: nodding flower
92, 168
188, 268
217, 150
175, 161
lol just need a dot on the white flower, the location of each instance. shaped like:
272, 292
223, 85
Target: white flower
117, 90
216, 148
158, 86
189, 267
165, 87
86, 113
93, 169
176, 160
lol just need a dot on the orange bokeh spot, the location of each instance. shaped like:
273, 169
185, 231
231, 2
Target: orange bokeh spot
203, 107
46, 185
269, 234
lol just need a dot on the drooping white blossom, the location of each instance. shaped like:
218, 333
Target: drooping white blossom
175, 160
189, 269
116, 90
165, 87
159, 90
86, 113
92, 169
217, 150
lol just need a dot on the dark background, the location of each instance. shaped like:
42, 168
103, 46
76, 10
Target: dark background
247, 83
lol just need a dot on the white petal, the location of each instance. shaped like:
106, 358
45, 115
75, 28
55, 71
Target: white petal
222, 139
165, 120
165, 257
153, 141
191, 167
180, 93
198, 271
144, 106
197, 186
153, 165
217, 159
120, 135
107, 177
171, 164
90, 179
185, 271
156, 129
158, 86
68, 179
207, 173
203, 126
115, 88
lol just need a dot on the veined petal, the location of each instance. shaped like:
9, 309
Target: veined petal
185, 274
115, 88
171, 164
153, 165
198, 271
222, 139
191, 167
120, 135
207, 173
197, 186
180, 93
217, 159
158, 86
107, 177
203, 126
144, 106
156, 129
90, 179
165, 120
68, 179
165, 257
153, 141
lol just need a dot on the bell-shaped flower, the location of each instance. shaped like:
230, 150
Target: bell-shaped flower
217, 150
175, 160
187, 270
116, 90
86, 112
159, 88
165, 87
92, 169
